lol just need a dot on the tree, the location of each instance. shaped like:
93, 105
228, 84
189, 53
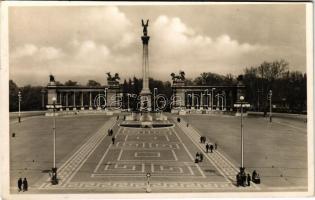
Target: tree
93, 83
13, 96
71, 83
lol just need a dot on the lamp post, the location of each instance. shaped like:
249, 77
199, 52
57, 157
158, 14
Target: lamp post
105, 99
270, 106
154, 93
148, 189
242, 134
128, 96
54, 179
20, 98
212, 89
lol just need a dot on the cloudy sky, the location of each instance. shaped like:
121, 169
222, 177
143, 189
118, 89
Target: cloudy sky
82, 43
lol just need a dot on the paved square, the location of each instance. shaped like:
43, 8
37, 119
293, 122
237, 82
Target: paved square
93, 163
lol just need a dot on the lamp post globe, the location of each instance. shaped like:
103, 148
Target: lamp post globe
242, 98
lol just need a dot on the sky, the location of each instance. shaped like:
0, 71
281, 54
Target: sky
82, 43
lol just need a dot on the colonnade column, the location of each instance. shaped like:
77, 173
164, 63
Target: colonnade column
74, 106
201, 101
67, 103
218, 102
90, 104
82, 104
60, 100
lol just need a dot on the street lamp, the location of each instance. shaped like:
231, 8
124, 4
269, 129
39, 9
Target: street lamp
54, 179
148, 189
20, 99
212, 89
128, 107
270, 106
105, 99
242, 134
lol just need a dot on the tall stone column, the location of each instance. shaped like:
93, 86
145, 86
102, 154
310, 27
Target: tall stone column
145, 92
90, 103
60, 100
67, 102
201, 100
82, 103
74, 106
192, 101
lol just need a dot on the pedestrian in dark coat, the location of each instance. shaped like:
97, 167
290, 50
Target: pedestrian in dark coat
25, 185
207, 148
201, 157
215, 146
211, 148
254, 174
20, 184
248, 179
244, 179
113, 140
200, 139
238, 181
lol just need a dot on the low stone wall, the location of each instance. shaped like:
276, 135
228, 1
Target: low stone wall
279, 115
15, 115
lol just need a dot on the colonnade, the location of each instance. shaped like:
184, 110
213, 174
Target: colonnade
206, 100
75, 99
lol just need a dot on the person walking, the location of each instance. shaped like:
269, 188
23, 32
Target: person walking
25, 185
207, 147
20, 184
197, 158
248, 180
238, 177
201, 157
113, 140
211, 148
215, 146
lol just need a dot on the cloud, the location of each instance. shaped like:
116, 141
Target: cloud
92, 41
195, 52
37, 52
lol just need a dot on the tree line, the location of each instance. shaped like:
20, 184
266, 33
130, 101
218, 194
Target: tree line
288, 88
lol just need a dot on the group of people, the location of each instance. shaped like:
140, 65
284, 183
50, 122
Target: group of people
199, 157
22, 185
203, 139
244, 180
211, 147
